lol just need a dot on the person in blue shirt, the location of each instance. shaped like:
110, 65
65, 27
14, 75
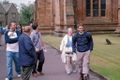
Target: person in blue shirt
2, 31
83, 46
27, 53
36, 38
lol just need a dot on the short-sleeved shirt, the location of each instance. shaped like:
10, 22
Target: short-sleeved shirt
36, 39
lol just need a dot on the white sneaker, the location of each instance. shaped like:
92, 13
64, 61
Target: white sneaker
68, 73
19, 75
6, 79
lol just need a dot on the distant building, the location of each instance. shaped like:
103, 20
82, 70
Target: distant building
2, 15
8, 13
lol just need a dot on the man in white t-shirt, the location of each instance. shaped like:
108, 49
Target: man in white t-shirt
12, 51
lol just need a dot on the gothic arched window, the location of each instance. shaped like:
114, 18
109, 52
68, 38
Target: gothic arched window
95, 8
103, 7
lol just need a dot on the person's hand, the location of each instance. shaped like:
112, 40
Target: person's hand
61, 50
10, 34
44, 49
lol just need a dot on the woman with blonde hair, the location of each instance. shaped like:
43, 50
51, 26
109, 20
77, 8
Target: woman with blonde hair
68, 58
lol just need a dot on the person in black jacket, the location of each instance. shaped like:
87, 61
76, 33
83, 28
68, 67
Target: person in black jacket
27, 53
83, 46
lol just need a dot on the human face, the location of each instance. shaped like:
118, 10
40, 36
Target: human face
13, 26
70, 31
81, 29
27, 29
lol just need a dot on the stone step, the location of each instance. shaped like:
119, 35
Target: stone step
46, 31
102, 32
94, 28
46, 28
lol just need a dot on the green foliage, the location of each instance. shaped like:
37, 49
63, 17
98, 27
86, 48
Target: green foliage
26, 13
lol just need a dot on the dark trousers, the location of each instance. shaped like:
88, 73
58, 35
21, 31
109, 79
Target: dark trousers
26, 72
40, 61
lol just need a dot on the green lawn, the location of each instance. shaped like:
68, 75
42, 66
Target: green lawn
105, 59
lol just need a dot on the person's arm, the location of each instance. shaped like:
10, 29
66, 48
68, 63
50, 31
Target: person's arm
62, 44
42, 43
18, 34
91, 41
74, 41
32, 37
10, 40
29, 47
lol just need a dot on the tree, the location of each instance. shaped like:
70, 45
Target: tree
26, 13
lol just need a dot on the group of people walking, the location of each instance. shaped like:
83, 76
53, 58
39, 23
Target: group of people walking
76, 49
25, 50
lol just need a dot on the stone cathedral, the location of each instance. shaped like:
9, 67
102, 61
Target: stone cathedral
95, 15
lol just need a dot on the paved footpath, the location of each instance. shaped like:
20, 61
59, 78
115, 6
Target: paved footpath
53, 67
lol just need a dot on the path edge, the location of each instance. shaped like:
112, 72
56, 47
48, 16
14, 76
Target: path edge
97, 74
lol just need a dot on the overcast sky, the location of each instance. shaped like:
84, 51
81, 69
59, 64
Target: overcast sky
18, 2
